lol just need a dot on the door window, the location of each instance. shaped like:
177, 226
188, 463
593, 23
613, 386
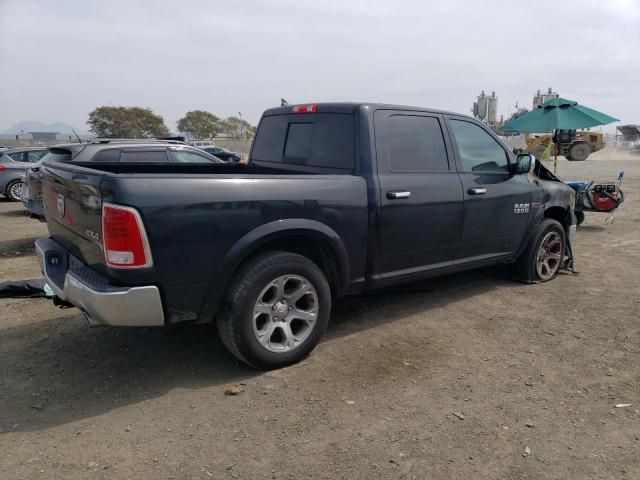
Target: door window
153, 156
186, 156
108, 155
479, 151
17, 156
415, 144
35, 155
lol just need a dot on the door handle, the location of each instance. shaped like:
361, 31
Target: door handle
477, 191
397, 195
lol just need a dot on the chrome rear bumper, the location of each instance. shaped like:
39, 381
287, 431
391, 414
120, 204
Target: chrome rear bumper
102, 302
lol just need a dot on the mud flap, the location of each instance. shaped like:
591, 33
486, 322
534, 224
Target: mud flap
567, 264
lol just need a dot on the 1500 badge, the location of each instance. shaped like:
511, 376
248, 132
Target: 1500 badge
520, 208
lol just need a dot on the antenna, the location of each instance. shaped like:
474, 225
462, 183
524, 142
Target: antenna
77, 136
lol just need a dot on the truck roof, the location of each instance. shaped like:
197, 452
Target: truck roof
351, 107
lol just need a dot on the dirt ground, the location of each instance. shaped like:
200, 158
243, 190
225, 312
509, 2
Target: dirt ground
467, 376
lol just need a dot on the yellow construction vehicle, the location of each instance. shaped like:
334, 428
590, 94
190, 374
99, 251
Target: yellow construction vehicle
571, 144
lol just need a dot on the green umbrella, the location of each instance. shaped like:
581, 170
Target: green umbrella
557, 114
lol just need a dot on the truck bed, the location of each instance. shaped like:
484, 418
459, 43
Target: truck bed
197, 217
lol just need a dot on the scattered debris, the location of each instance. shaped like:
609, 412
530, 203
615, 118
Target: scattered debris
350, 402
623, 405
37, 406
230, 466
529, 425
233, 390
527, 452
460, 415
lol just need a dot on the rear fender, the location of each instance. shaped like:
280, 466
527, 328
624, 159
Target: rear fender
257, 238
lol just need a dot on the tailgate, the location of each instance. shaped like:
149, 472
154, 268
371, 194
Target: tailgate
72, 208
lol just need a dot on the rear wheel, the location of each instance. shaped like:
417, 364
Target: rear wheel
542, 258
579, 217
579, 152
275, 310
14, 190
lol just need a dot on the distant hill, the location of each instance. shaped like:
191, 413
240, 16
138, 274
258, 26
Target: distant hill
35, 126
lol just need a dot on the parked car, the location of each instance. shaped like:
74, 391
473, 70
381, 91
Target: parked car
13, 163
109, 151
223, 153
337, 199
203, 143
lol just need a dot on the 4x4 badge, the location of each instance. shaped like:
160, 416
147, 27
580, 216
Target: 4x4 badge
60, 205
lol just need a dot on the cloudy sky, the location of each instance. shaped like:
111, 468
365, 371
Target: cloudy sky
60, 59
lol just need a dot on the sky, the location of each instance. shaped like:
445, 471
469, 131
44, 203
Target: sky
61, 59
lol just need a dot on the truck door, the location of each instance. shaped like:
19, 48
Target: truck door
421, 199
497, 203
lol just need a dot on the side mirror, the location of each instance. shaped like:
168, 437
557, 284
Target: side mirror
525, 163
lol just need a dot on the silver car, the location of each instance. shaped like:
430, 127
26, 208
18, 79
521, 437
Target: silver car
14, 163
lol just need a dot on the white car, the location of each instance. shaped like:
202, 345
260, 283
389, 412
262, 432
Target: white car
203, 143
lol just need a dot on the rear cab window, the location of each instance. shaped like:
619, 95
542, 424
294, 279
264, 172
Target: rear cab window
321, 140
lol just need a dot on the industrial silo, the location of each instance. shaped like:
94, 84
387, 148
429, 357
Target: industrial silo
492, 109
550, 94
483, 104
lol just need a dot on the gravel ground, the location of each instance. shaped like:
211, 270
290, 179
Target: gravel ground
467, 376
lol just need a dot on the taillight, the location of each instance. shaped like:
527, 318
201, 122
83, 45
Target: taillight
123, 237
1, 168
309, 108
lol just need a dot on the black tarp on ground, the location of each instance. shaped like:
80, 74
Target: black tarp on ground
23, 289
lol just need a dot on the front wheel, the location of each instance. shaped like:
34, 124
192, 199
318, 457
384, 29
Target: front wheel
579, 152
275, 310
543, 256
14, 190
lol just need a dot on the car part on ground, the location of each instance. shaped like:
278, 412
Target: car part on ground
597, 197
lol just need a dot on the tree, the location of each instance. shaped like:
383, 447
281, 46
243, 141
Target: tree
126, 122
200, 124
237, 128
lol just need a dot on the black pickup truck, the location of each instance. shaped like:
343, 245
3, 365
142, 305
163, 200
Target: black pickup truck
337, 199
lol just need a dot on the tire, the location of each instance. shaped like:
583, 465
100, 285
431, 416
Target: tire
579, 217
527, 267
14, 190
261, 321
579, 152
